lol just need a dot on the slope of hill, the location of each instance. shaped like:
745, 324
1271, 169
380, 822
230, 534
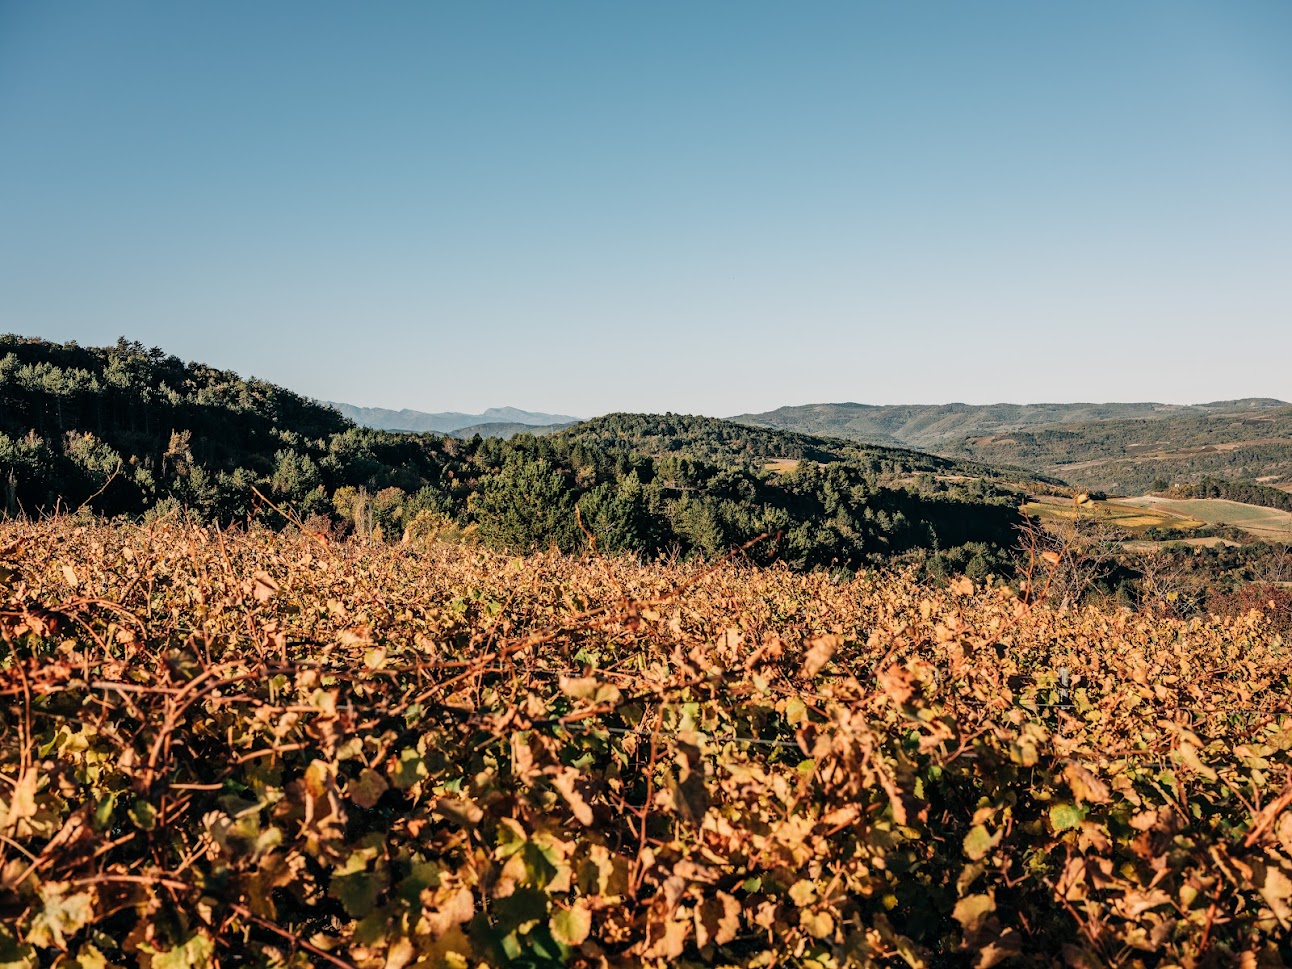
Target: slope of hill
931, 425
1121, 448
128, 429
1133, 456
125, 430
652, 481
936, 426
446, 422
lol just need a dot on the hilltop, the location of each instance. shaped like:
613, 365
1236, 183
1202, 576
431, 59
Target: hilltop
507, 429
722, 440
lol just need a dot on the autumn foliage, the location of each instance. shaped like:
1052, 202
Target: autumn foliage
260, 749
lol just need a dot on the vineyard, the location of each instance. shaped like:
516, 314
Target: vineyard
269, 749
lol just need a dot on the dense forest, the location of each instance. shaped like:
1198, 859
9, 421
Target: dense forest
128, 430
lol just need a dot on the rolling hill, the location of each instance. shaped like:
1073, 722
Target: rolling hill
507, 429
126, 430
1117, 448
727, 442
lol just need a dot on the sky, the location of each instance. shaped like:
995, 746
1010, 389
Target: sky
717, 208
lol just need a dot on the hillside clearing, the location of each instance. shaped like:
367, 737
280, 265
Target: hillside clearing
1157, 546
782, 465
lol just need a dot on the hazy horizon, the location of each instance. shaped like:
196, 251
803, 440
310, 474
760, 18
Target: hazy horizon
810, 403
581, 208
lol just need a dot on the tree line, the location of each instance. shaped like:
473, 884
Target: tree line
1247, 492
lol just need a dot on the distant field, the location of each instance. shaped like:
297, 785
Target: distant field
1267, 523
1133, 519
1153, 546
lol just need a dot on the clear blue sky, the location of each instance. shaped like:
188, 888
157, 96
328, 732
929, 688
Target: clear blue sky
706, 207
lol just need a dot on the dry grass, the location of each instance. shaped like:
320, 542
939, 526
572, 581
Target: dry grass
1111, 513
782, 465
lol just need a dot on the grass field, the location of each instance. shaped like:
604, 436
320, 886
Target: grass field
1132, 519
1136, 515
1153, 546
1267, 523
782, 465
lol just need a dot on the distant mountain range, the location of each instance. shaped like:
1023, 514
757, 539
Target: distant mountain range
932, 427
1118, 448
494, 422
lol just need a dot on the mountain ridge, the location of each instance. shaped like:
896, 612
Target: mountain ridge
443, 422
925, 425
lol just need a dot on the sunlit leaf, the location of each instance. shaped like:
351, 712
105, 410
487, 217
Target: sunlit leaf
570, 926
1066, 816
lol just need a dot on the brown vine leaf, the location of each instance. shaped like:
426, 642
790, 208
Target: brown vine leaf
972, 910
564, 782
263, 586
819, 652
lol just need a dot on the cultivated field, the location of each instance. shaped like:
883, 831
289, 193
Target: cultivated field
264, 750
1270, 524
1153, 546
1117, 514
1135, 515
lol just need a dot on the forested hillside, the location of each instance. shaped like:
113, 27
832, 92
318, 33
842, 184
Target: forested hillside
131, 430
932, 427
507, 429
725, 441
1134, 456
1117, 448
